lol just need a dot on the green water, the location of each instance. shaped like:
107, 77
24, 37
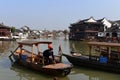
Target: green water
10, 72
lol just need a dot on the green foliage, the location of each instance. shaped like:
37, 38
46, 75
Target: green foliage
65, 32
13, 29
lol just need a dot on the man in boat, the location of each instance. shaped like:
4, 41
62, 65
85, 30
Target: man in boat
48, 54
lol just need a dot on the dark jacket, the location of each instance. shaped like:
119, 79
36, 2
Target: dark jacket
48, 53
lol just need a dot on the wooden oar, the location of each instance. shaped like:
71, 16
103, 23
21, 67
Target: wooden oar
12, 52
73, 47
60, 52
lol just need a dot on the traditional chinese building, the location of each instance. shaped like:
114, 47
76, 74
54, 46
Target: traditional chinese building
113, 33
5, 31
85, 29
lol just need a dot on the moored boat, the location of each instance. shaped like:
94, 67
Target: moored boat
30, 59
107, 61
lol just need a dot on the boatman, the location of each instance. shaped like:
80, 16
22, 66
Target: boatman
49, 56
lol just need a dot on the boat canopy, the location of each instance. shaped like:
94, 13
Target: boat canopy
30, 43
107, 44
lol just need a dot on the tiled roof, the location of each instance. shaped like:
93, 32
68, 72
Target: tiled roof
2, 25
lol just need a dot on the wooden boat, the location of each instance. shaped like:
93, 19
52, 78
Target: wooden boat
30, 59
107, 61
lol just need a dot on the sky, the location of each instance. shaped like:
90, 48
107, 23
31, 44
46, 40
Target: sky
55, 14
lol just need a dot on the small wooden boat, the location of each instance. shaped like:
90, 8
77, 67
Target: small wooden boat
31, 60
107, 61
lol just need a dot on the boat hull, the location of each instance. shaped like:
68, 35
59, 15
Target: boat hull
85, 62
63, 71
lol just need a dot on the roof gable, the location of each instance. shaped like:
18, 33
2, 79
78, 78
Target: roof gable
106, 22
91, 19
3, 26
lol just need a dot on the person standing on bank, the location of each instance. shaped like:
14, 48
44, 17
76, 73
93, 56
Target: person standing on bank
49, 56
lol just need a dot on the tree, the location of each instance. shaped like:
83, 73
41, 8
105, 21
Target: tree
65, 33
13, 29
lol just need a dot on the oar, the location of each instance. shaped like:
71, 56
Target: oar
12, 52
73, 47
60, 52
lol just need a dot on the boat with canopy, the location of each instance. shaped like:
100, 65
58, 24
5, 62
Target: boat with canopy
107, 60
29, 58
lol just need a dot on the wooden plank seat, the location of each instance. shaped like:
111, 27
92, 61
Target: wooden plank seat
56, 66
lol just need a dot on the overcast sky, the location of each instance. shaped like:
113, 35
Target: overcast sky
55, 14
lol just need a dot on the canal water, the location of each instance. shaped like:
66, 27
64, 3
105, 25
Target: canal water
12, 72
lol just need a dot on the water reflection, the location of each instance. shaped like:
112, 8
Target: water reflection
79, 46
6, 46
80, 73
25, 74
